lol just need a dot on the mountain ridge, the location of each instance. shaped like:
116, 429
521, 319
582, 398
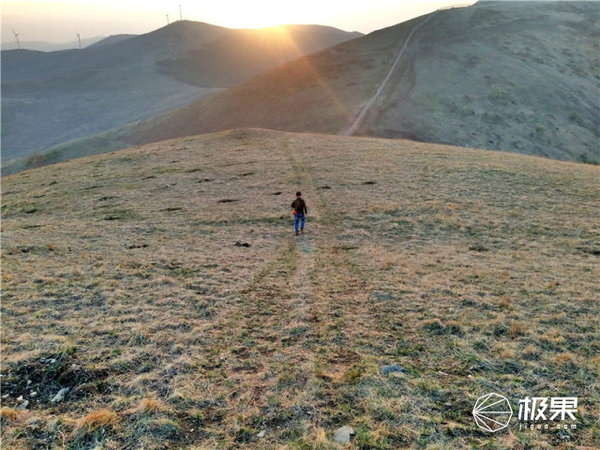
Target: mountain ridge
76, 93
511, 76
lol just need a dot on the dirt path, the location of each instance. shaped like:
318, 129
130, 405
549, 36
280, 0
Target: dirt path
265, 340
284, 343
358, 121
286, 333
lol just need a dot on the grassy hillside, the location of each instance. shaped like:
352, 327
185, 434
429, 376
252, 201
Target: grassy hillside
164, 287
512, 76
517, 76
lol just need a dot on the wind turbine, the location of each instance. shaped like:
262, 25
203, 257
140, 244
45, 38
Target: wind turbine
180, 15
167, 19
17, 38
79, 38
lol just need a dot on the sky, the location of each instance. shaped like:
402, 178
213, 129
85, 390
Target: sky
59, 21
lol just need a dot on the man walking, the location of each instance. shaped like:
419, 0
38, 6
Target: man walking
300, 211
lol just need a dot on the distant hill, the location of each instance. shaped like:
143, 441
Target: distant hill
113, 39
229, 60
51, 46
50, 98
514, 76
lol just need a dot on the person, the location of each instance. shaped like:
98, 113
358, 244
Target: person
300, 211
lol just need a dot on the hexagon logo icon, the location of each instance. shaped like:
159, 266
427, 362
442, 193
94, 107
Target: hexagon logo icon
492, 412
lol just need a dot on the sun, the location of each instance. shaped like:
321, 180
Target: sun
260, 13
257, 18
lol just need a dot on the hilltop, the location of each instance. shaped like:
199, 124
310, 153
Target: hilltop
164, 287
512, 76
50, 98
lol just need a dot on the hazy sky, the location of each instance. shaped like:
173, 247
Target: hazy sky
58, 21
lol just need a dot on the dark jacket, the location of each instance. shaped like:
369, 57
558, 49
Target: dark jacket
299, 205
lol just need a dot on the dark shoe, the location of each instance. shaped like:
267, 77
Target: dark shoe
296, 233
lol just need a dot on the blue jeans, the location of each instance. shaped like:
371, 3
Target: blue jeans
297, 218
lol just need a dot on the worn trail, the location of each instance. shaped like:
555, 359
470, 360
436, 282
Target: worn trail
351, 130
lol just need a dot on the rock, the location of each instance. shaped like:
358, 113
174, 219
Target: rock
5, 396
33, 394
562, 434
60, 396
20, 398
23, 405
240, 244
393, 368
343, 435
261, 434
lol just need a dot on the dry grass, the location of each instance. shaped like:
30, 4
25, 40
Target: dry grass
9, 414
150, 405
122, 280
103, 418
